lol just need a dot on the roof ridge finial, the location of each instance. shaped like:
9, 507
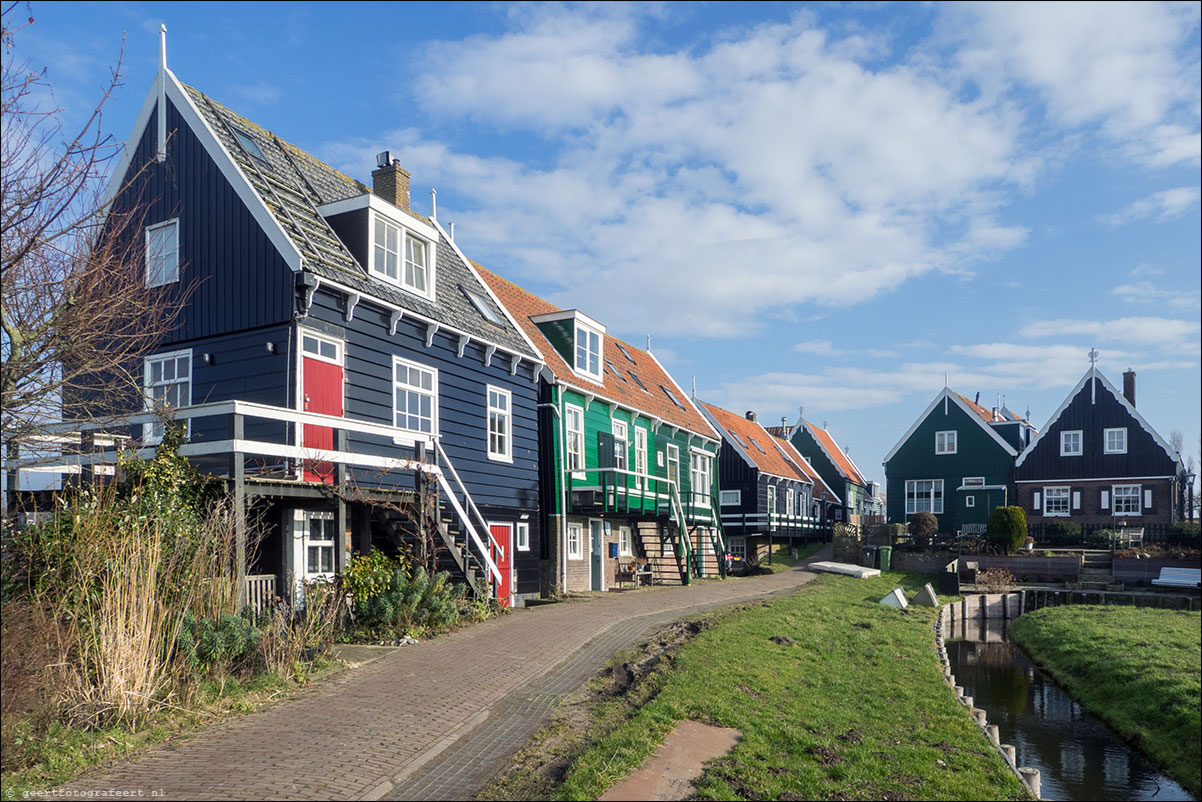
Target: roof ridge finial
1093, 358
161, 112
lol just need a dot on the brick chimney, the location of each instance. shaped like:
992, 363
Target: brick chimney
750, 415
1129, 386
390, 182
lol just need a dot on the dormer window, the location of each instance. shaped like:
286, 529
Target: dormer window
400, 257
577, 338
588, 352
394, 246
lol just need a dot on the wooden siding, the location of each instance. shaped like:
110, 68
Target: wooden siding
239, 280
1144, 456
462, 398
354, 231
977, 454
809, 448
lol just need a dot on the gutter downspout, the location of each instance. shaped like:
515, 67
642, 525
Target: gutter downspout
563, 503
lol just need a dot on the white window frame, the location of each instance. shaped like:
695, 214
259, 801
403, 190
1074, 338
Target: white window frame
417, 390
322, 544
738, 547
1062, 495
1117, 448
640, 454
621, 435
588, 353
406, 240
153, 432
624, 542
522, 536
730, 498
672, 460
1126, 497
912, 498
499, 425
973, 481
575, 541
946, 442
162, 268
574, 439
701, 477
1067, 437
771, 501
970, 501
322, 354
790, 501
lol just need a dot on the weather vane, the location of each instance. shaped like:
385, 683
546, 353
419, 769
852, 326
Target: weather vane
1093, 357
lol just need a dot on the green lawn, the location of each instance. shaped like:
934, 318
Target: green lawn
1136, 669
837, 697
782, 556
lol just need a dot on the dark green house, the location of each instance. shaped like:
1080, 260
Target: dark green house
956, 461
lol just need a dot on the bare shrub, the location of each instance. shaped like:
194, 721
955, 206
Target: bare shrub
996, 580
300, 626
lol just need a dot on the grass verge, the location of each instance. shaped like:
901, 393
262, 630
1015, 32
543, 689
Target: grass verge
1139, 670
837, 697
783, 560
41, 753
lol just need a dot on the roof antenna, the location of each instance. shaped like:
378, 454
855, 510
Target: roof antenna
648, 343
694, 387
433, 203
452, 231
161, 155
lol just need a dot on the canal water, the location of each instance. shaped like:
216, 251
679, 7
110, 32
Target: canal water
1078, 756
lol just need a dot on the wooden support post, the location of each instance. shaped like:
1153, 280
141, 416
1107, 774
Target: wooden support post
87, 447
343, 550
238, 479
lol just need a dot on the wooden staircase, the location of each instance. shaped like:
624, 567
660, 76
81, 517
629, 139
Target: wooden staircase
1097, 570
660, 552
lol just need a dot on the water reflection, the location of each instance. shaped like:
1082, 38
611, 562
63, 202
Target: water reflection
1078, 756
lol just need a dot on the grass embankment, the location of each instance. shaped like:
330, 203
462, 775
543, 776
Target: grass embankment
41, 753
1139, 670
783, 560
837, 697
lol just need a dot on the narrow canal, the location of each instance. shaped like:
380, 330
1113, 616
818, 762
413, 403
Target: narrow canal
1078, 756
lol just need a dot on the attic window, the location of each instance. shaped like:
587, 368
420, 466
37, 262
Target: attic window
588, 352
638, 381
671, 397
249, 145
625, 353
757, 445
614, 370
483, 306
738, 439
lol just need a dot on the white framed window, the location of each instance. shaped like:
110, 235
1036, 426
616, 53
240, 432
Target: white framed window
945, 442
575, 539
701, 471
523, 536
314, 347
624, 546
1115, 441
588, 352
1126, 500
730, 498
319, 542
168, 382
640, 454
415, 396
771, 501
400, 257
790, 501
924, 495
1071, 444
672, 457
970, 501
162, 253
621, 443
973, 481
738, 548
573, 424
1055, 501
500, 424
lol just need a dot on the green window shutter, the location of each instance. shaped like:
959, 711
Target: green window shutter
605, 450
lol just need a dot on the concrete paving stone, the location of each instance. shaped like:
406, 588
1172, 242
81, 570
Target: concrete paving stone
443, 715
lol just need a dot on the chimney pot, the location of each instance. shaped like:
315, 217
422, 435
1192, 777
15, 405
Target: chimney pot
390, 182
750, 415
1129, 386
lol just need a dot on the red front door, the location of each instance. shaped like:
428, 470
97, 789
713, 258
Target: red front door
500, 547
321, 370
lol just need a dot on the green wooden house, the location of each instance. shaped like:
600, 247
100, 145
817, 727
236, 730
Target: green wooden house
835, 467
629, 476
956, 461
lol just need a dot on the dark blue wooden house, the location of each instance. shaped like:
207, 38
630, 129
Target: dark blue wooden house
339, 361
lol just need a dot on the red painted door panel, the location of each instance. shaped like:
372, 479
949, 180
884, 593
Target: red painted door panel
500, 548
323, 394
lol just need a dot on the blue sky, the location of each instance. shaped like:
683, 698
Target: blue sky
822, 205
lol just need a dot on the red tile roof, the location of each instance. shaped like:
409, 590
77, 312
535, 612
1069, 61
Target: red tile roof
841, 460
984, 414
757, 444
524, 305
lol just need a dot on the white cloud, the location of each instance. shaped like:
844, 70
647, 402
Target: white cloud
1166, 333
1159, 206
817, 347
734, 180
1148, 293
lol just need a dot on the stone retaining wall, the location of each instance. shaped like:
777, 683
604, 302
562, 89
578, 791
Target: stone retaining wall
921, 562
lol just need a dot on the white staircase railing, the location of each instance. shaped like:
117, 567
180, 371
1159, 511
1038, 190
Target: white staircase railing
464, 517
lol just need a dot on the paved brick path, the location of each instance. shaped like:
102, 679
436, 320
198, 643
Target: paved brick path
430, 721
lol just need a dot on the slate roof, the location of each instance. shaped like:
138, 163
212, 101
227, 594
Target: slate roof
754, 441
841, 460
292, 184
619, 386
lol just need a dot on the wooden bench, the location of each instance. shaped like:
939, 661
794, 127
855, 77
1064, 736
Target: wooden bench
1179, 578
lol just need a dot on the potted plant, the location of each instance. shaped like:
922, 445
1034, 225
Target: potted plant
1029, 543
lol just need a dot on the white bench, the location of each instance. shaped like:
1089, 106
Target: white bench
1179, 578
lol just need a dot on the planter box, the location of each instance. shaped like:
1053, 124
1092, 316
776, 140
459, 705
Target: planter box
1045, 569
1132, 571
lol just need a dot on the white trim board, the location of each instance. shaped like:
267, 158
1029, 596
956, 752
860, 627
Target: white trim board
1090, 479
